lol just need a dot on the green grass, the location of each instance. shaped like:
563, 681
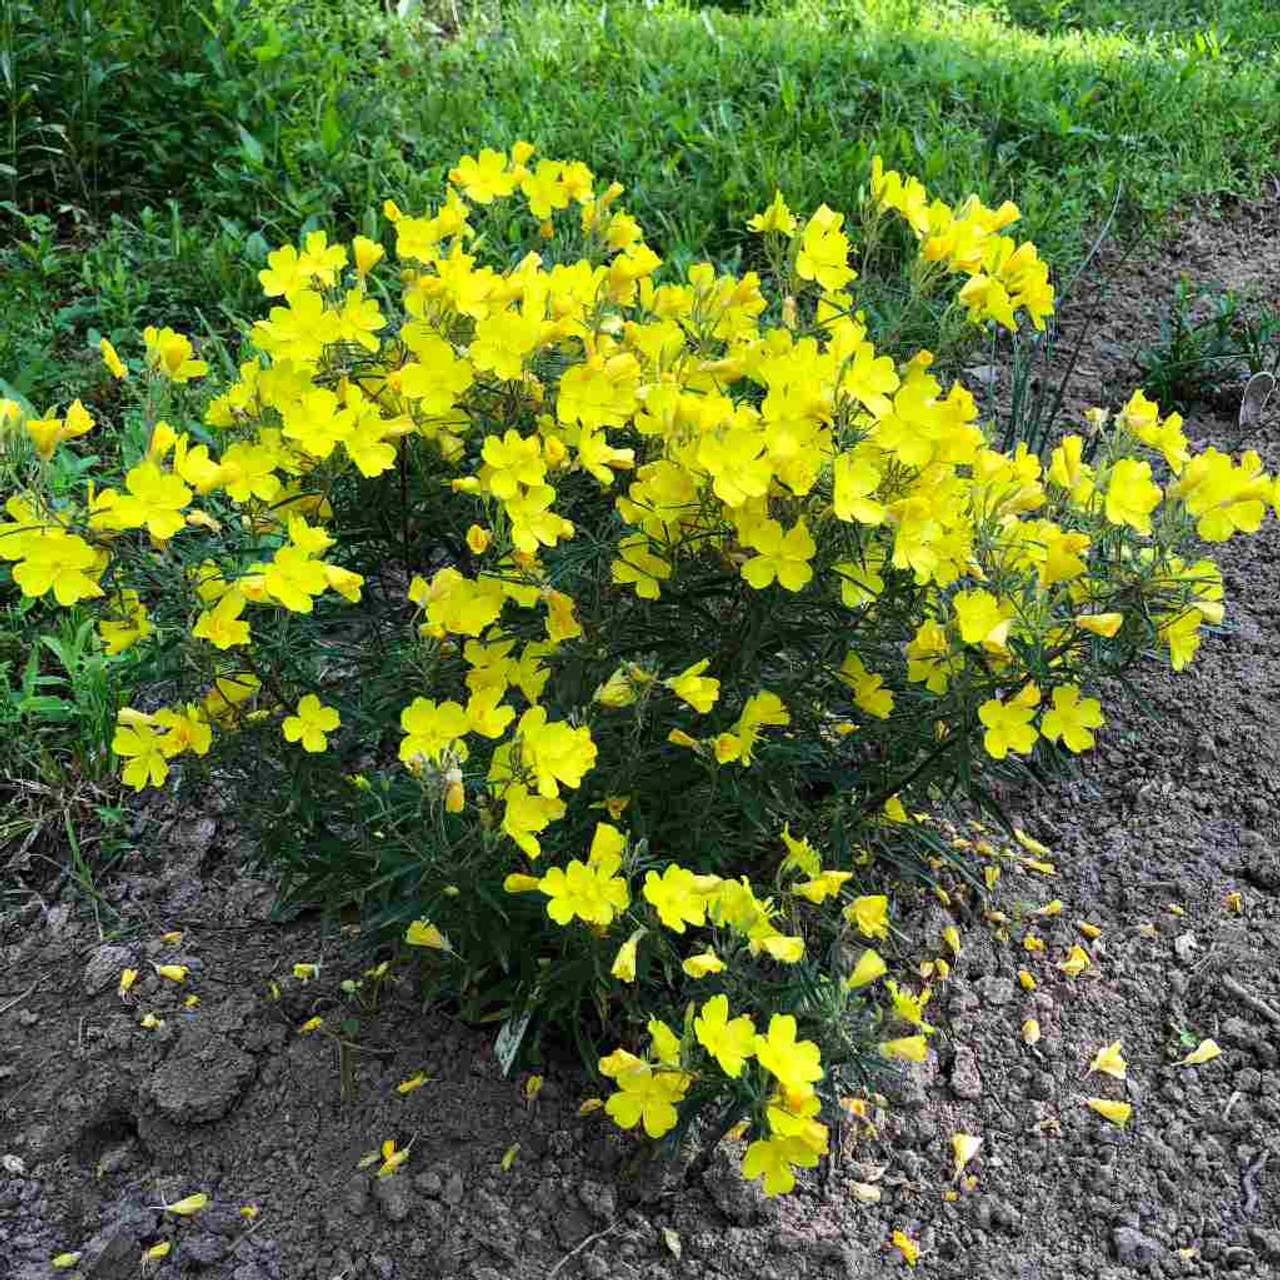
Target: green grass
151, 153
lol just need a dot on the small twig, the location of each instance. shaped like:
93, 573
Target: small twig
1246, 1179
244, 1235
1256, 1003
573, 1253
17, 1000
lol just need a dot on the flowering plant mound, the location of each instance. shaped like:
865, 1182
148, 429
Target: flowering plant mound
603, 633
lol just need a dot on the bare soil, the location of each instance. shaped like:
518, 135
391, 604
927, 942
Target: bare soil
103, 1122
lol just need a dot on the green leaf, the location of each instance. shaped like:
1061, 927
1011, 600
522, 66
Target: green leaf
251, 148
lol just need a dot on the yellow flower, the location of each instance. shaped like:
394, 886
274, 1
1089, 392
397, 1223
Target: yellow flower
647, 1096
729, 1041
624, 963
871, 914
777, 218
1072, 718
773, 1158
796, 1064
700, 966
870, 966
113, 362
691, 686
170, 355
309, 726
422, 933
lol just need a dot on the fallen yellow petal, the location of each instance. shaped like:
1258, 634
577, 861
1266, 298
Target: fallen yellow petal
64, 1260
173, 937
412, 1083
1031, 1031
509, 1158
1110, 1062
907, 1048
157, 1251
964, 1146
1174, 910
310, 1025
1117, 1112
1028, 982
1089, 930
188, 1205
1050, 908
907, 1247
1029, 844
1044, 868
1205, 1051
150, 1021
174, 972
392, 1162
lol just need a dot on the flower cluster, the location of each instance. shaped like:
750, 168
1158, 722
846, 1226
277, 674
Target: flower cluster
692, 462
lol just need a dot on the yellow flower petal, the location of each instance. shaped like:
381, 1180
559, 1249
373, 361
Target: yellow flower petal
188, 1205
1110, 1062
1076, 963
908, 1048
1117, 1112
964, 1146
1206, 1051
1031, 1031
422, 933
907, 1247
870, 966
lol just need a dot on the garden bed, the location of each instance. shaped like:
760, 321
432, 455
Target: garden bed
103, 1122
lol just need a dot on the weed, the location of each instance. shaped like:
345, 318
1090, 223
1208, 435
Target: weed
1207, 341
